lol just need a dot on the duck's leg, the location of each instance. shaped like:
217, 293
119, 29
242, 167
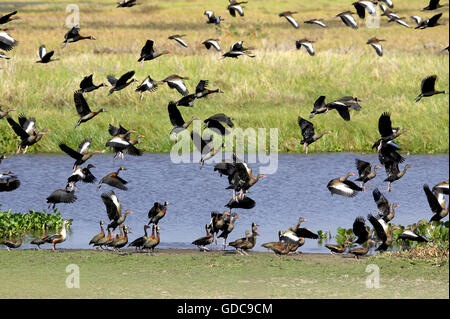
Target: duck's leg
389, 187
18, 149
306, 148
26, 149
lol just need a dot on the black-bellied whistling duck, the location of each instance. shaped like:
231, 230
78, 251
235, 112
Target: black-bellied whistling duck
341, 105
388, 133
83, 109
360, 251
235, 6
431, 22
44, 56
399, 20
153, 241
238, 46
432, 5
7, 42
427, 88
73, 35
385, 209
126, 4
139, 242
214, 123
99, 236
393, 173
410, 234
114, 209
441, 188
115, 238
212, 43
157, 212
149, 239
362, 6
279, 247
336, 249
388, 13
113, 179
10, 243
243, 203
82, 174
202, 242
389, 3
217, 222
60, 237
202, 91
248, 242
308, 44
5, 113
178, 123
241, 241
375, 43
289, 17
121, 83
365, 172
236, 54
308, 133
8, 182
109, 239
360, 230
103, 241
348, 19
87, 85
178, 38
212, 19
81, 155
122, 240
177, 82
228, 227
342, 186
382, 231
296, 235
319, 22
26, 130
437, 204
187, 100
148, 53
122, 144
42, 239
66, 195
8, 17
206, 147
148, 85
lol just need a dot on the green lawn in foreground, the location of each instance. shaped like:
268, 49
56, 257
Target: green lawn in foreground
191, 274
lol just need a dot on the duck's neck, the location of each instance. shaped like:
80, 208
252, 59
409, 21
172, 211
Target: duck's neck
101, 230
186, 125
63, 232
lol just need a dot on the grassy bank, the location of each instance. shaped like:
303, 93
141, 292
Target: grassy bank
191, 274
271, 90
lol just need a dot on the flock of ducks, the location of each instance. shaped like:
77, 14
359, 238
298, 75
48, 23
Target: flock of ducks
239, 174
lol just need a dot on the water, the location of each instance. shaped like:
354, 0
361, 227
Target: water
298, 188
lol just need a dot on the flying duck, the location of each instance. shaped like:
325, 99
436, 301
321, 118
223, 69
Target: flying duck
212, 43
319, 22
148, 53
81, 155
288, 16
375, 43
348, 19
427, 88
86, 85
44, 56
66, 195
177, 37
342, 186
308, 133
307, 44
148, 85
83, 109
177, 121
114, 210
121, 83
73, 36
113, 179
26, 130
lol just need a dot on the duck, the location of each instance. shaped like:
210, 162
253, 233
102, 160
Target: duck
201, 90
44, 56
228, 227
432, 5
122, 240
13, 244
217, 223
341, 105
336, 249
3, 56
73, 35
427, 88
289, 17
389, 3
365, 172
122, 144
308, 133
87, 84
157, 212
8, 182
187, 100
82, 154
279, 247
235, 6
5, 113
214, 123
360, 230
388, 134
204, 241
382, 231
148, 52
83, 109
375, 43
60, 237
4, 19
212, 19
26, 130
7, 42
393, 173
386, 211
148, 85
177, 82
246, 243
205, 145
437, 204
66, 195
412, 235
236, 54
388, 13
342, 186
212, 43
363, 6
82, 174
348, 19
178, 38
103, 241
399, 20
115, 238
121, 83
360, 251
243, 203
42, 239
318, 22
242, 241
114, 209
177, 121
307, 44
126, 4
99, 236
441, 188
110, 239
113, 179
138, 243
416, 19
431, 22
153, 241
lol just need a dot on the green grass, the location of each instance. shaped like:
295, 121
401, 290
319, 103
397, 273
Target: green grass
191, 274
269, 91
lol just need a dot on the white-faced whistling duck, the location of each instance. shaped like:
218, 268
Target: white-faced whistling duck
360, 230
5, 113
60, 237
82, 174
389, 3
336, 249
348, 19
385, 210
399, 20
228, 227
436, 203
86, 85
365, 172
235, 6
157, 212
342, 186
26, 130
178, 38
126, 4
360, 251
73, 36
10, 243
202, 91
308, 133
410, 234
433, 5
114, 209
81, 155
214, 123
8, 17
113, 179
307, 44
362, 6
42, 239
8, 182
138, 243
393, 173
148, 85
148, 53
121, 83
382, 231
7, 42
205, 145
202, 242
83, 109
212, 19
44, 56
66, 195
319, 22
153, 241
178, 123
375, 43
99, 236
3, 56
289, 17
427, 88
177, 82
212, 43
